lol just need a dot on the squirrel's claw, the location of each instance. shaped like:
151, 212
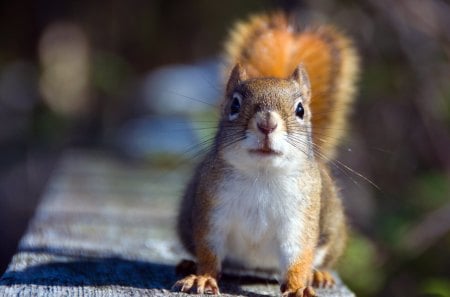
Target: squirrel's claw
198, 284
301, 292
321, 279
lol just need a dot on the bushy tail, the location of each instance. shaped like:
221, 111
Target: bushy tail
271, 45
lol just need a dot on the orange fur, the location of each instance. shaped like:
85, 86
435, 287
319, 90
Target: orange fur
269, 46
296, 276
328, 56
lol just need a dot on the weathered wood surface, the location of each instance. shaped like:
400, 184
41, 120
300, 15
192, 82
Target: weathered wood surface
105, 228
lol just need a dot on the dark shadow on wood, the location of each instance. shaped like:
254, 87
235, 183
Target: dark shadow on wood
76, 269
99, 272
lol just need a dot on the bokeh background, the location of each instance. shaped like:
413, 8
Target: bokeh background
139, 80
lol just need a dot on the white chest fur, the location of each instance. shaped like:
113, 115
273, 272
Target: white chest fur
257, 219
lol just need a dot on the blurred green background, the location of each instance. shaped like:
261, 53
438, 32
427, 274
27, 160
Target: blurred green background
103, 75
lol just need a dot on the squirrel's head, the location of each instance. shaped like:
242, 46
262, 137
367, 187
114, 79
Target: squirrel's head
266, 122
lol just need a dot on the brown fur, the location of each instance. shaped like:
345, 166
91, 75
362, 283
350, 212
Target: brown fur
333, 225
269, 50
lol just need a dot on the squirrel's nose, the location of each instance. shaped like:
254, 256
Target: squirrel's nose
267, 121
267, 127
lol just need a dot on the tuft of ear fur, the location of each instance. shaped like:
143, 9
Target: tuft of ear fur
238, 75
300, 76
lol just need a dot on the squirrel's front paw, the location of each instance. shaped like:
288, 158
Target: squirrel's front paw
301, 292
197, 284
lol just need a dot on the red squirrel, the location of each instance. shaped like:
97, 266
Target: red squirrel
263, 197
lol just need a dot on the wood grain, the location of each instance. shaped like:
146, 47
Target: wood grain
106, 228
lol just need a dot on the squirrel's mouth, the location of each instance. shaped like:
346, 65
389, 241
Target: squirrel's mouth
265, 151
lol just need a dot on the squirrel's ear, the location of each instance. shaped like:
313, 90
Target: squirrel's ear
300, 76
237, 76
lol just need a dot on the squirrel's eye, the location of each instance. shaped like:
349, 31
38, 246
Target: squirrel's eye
235, 105
299, 110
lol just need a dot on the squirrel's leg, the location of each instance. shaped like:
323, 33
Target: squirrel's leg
296, 253
297, 276
204, 281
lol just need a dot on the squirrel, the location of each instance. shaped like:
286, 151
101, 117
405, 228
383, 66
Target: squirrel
263, 197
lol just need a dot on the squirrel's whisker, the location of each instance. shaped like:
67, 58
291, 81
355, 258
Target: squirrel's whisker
257, 192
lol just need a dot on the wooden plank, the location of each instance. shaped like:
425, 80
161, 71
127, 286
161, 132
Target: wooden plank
106, 228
